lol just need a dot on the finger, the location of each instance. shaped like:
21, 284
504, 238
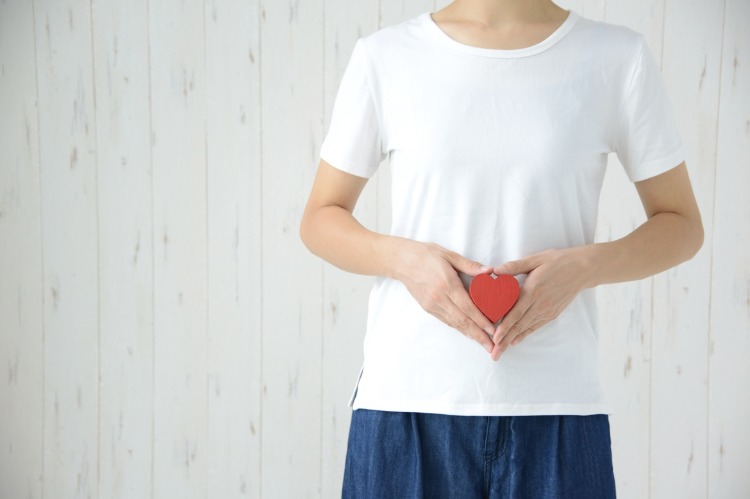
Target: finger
515, 267
496, 352
463, 264
463, 301
513, 316
536, 325
498, 349
527, 320
518, 327
515, 330
458, 320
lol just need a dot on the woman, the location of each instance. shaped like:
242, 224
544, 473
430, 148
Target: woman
497, 117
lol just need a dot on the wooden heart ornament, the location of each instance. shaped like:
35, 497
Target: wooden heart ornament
494, 296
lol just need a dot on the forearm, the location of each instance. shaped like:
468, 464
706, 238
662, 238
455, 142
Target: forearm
665, 240
554, 276
333, 234
428, 271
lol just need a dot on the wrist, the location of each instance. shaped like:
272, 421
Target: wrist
391, 251
593, 257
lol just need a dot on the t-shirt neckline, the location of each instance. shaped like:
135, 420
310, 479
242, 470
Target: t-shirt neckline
553, 38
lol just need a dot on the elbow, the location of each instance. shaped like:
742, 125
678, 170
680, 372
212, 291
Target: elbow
307, 230
304, 230
304, 226
697, 235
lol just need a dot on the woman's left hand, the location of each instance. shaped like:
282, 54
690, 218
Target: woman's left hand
555, 277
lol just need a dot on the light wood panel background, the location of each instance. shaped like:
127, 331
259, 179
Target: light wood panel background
164, 332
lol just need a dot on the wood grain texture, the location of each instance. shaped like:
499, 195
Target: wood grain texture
680, 340
21, 312
125, 226
625, 341
179, 176
292, 83
67, 142
345, 295
165, 333
234, 248
626, 308
729, 344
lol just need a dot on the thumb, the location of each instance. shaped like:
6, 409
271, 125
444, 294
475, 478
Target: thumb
515, 267
467, 266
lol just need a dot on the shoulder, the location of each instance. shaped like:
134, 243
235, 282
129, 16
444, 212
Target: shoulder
395, 32
615, 41
394, 39
612, 49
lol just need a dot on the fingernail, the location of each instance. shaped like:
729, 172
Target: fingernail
485, 268
489, 330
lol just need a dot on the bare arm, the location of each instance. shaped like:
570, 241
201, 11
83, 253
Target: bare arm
672, 234
330, 231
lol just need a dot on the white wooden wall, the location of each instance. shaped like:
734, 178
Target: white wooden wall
164, 332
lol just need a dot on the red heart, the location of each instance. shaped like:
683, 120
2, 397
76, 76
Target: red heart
494, 296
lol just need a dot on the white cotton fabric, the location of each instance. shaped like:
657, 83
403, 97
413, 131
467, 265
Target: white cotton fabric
494, 154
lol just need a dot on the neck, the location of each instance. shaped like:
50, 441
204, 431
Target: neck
499, 13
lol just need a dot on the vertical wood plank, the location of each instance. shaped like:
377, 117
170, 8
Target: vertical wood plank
345, 295
729, 350
291, 79
69, 247
234, 251
624, 342
681, 296
176, 34
120, 34
21, 334
190, 397
625, 308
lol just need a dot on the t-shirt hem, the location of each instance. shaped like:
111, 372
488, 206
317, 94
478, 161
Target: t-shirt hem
547, 409
343, 164
659, 166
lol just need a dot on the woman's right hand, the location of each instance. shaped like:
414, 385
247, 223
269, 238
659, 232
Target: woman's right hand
430, 273
428, 270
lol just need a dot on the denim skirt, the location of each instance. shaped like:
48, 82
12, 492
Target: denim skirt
421, 455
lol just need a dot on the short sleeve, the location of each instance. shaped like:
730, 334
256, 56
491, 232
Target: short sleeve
647, 140
353, 142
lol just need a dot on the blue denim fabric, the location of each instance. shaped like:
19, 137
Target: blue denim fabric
418, 455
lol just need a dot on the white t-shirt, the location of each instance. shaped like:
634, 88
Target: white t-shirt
494, 154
